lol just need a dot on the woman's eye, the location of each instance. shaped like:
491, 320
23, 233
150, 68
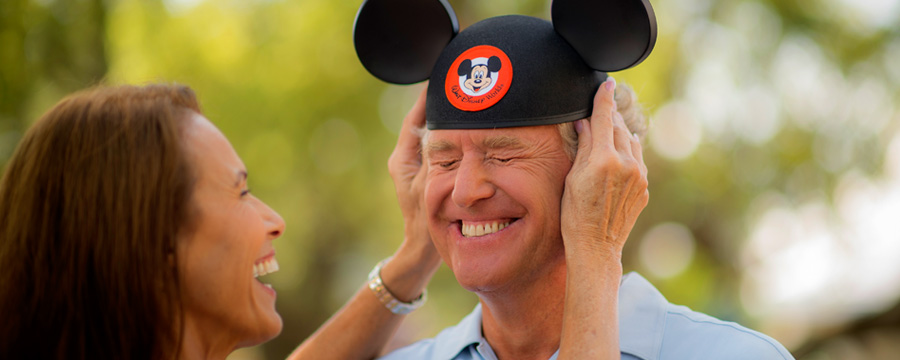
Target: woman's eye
245, 192
503, 160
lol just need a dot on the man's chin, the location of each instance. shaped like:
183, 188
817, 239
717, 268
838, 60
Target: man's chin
479, 281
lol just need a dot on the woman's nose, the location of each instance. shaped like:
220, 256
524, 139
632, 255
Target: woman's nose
274, 221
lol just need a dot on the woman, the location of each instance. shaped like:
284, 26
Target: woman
127, 232
99, 228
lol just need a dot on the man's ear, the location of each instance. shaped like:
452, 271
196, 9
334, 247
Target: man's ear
399, 41
610, 35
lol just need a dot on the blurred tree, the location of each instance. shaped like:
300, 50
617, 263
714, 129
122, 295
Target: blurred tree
47, 49
770, 121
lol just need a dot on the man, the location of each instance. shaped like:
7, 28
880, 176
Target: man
547, 237
532, 225
518, 219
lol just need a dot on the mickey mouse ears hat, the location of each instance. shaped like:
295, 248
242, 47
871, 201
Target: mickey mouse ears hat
505, 71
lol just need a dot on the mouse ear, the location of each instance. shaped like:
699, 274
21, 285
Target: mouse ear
399, 41
610, 35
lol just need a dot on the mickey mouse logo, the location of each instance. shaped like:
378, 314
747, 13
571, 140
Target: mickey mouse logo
478, 78
478, 75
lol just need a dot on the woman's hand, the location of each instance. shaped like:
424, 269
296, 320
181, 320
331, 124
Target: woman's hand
606, 189
364, 325
417, 254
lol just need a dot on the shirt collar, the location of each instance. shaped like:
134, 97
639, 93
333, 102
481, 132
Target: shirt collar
453, 340
642, 317
642, 320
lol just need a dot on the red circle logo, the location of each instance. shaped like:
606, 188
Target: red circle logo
479, 78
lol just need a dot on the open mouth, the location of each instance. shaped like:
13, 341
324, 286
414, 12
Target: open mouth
472, 229
265, 266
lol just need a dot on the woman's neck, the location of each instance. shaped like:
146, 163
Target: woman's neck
197, 344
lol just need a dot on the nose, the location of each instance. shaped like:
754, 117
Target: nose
472, 183
273, 221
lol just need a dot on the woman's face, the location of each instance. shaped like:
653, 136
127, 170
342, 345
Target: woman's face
228, 244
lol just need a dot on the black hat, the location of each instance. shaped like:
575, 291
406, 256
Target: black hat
505, 71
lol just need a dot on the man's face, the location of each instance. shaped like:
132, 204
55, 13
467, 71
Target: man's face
493, 199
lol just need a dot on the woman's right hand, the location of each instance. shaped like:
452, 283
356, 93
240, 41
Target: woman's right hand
417, 254
364, 325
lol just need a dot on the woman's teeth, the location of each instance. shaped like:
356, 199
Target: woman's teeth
482, 229
264, 267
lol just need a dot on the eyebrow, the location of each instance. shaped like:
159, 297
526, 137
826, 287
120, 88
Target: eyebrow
503, 142
493, 143
241, 176
438, 146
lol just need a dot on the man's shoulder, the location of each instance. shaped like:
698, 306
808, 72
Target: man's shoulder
450, 343
691, 332
650, 327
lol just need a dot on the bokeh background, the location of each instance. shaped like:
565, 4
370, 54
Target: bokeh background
774, 151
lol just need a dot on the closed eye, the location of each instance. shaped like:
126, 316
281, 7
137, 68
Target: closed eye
447, 164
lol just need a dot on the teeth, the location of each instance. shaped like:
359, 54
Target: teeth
482, 229
264, 267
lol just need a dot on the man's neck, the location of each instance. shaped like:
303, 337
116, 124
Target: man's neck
525, 321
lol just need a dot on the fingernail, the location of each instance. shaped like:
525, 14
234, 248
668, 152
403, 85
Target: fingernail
578, 126
610, 83
636, 137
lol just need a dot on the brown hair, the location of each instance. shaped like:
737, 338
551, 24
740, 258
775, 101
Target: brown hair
90, 207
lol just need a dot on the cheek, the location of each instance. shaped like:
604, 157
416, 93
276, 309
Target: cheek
436, 195
539, 189
437, 188
223, 245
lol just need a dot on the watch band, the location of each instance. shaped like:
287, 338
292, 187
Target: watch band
390, 302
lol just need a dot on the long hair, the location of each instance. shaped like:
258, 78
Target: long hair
91, 204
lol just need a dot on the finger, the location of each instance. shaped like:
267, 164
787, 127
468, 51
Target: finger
414, 120
583, 128
638, 152
407, 153
601, 118
622, 135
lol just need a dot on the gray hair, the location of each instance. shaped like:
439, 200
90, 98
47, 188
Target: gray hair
627, 105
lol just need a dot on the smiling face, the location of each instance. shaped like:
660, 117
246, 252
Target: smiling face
227, 246
479, 78
493, 198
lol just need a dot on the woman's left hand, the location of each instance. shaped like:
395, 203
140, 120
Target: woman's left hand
606, 188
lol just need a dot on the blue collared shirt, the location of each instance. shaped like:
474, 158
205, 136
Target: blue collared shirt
649, 328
